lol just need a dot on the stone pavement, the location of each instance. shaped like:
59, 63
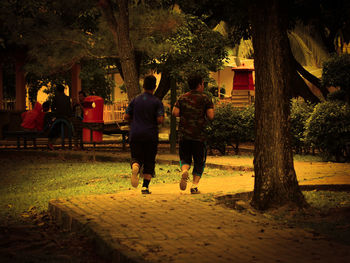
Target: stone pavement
174, 226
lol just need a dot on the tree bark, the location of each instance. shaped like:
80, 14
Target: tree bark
308, 76
299, 88
119, 26
275, 178
172, 137
164, 85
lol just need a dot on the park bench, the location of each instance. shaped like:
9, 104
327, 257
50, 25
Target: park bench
10, 127
108, 129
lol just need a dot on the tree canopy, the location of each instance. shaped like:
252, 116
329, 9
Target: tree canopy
54, 35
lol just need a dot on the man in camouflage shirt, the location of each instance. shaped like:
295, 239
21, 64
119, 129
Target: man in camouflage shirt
194, 109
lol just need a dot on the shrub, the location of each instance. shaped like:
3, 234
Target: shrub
336, 73
328, 129
300, 112
230, 127
337, 95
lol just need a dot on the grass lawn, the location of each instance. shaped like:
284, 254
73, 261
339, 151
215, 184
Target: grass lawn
27, 183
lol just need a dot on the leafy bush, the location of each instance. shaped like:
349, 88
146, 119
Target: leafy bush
337, 95
336, 73
300, 112
328, 129
230, 127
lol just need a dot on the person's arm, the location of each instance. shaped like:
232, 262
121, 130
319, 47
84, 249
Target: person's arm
129, 111
176, 111
160, 119
160, 113
210, 113
127, 117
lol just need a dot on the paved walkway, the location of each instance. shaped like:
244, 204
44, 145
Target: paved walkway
174, 226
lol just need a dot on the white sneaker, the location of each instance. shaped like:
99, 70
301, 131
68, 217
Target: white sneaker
134, 175
183, 181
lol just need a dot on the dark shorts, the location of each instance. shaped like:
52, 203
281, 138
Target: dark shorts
144, 153
193, 149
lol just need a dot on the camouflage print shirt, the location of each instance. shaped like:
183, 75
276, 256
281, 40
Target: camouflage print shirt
193, 106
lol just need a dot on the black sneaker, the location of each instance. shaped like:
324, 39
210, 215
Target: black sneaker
195, 191
145, 191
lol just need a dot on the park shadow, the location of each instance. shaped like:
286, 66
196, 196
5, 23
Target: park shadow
327, 216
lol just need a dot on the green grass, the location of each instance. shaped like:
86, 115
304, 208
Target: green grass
325, 200
308, 158
28, 183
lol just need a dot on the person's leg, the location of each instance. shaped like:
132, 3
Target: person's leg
78, 132
150, 152
185, 162
136, 162
199, 158
54, 133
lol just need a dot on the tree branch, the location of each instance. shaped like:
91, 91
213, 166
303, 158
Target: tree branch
308, 76
106, 8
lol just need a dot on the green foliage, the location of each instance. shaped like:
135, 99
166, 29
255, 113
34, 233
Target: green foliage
9, 89
214, 91
337, 95
300, 112
194, 48
95, 80
35, 83
230, 127
328, 129
336, 72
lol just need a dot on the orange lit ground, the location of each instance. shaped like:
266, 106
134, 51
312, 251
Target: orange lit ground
174, 226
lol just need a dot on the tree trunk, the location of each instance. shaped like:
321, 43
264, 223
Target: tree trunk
119, 27
311, 78
1, 88
275, 179
164, 85
172, 138
299, 88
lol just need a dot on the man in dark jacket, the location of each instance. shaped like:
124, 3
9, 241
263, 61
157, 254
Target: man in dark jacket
144, 112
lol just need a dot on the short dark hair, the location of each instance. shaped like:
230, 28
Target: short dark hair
46, 105
194, 80
60, 88
82, 92
149, 82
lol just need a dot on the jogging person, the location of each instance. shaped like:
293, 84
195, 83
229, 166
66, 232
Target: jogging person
144, 112
194, 109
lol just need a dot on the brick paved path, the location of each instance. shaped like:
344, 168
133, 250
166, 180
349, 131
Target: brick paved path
183, 228
169, 226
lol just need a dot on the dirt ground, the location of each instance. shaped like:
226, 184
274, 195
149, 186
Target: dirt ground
39, 240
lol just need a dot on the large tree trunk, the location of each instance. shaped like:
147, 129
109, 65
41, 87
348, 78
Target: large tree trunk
119, 27
275, 179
